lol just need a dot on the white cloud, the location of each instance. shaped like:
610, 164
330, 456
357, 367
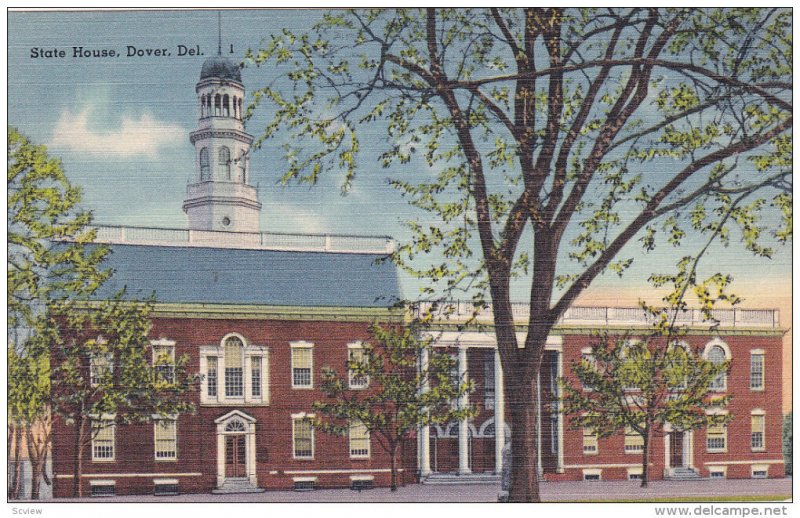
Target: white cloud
144, 136
289, 218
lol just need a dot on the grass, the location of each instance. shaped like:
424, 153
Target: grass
693, 499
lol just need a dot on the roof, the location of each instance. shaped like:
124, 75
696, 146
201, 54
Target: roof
222, 68
259, 277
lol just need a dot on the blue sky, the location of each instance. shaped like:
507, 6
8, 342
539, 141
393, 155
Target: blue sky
121, 126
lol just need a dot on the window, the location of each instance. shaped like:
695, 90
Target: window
255, 376
716, 438
756, 371
592, 474
634, 442
234, 379
234, 372
102, 488
226, 106
101, 366
355, 353
103, 440
717, 356
164, 360
587, 357
302, 364
205, 166
303, 436
359, 440
217, 105
634, 473
553, 433
488, 382
166, 439
211, 376
757, 423
716, 472
224, 161
589, 441
759, 471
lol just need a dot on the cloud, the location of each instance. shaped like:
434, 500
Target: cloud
289, 218
144, 136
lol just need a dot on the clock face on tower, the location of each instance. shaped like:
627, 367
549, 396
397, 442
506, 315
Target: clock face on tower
226, 221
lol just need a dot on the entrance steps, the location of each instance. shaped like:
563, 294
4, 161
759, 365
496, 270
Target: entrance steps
232, 486
465, 478
683, 474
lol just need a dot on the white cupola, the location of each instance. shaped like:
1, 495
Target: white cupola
220, 197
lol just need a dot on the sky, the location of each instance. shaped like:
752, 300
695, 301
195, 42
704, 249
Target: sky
121, 126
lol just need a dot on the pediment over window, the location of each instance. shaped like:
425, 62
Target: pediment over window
234, 415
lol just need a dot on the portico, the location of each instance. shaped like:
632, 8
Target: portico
464, 343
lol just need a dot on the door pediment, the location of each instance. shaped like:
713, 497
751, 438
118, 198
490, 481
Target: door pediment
235, 414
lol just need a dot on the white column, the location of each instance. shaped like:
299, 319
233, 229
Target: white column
251, 455
424, 436
499, 413
220, 456
463, 429
667, 430
539, 423
560, 370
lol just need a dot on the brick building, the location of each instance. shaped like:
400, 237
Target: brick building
260, 314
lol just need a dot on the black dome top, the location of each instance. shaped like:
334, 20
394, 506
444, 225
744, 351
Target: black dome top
222, 68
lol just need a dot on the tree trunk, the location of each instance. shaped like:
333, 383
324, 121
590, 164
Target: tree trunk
524, 468
35, 456
393, 460
645, 456
77, 489
15, 485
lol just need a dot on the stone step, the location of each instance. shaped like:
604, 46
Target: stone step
455, 478
237, 486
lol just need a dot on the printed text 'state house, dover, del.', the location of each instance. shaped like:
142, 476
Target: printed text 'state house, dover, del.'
259, 315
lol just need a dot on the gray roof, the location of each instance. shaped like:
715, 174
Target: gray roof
222, 68
259, 277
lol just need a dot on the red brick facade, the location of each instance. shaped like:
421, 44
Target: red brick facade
134, 468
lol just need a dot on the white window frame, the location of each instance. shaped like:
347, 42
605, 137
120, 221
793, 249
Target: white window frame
635, 473
763, 415
709, 346
352, 383
169, 344
753, 354
353, 424
156, 423
295, 419
724, 426
588, 355
593, 472
113, 426
93, 364
716, 470
591, 443
635, 437
249, 352
302, 345
758, 468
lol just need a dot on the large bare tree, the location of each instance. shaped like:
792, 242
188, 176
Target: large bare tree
558, 140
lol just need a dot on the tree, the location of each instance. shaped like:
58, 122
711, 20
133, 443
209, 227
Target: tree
642, 385
787, 442
559, 140
103, 373
48, 258
390, 393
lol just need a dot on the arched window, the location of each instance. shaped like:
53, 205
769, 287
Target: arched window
217, 105
243, 167
234, 371
205, 168
208, 105
235, 426
226, 106
235, 107
225, 162
716, 355
240, 108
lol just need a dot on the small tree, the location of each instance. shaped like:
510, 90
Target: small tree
642, 385
49, 258
397, 392
101, 366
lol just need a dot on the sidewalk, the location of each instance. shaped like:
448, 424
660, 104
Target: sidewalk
551, 492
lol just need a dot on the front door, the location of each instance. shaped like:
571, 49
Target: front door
235, 456
676, 449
